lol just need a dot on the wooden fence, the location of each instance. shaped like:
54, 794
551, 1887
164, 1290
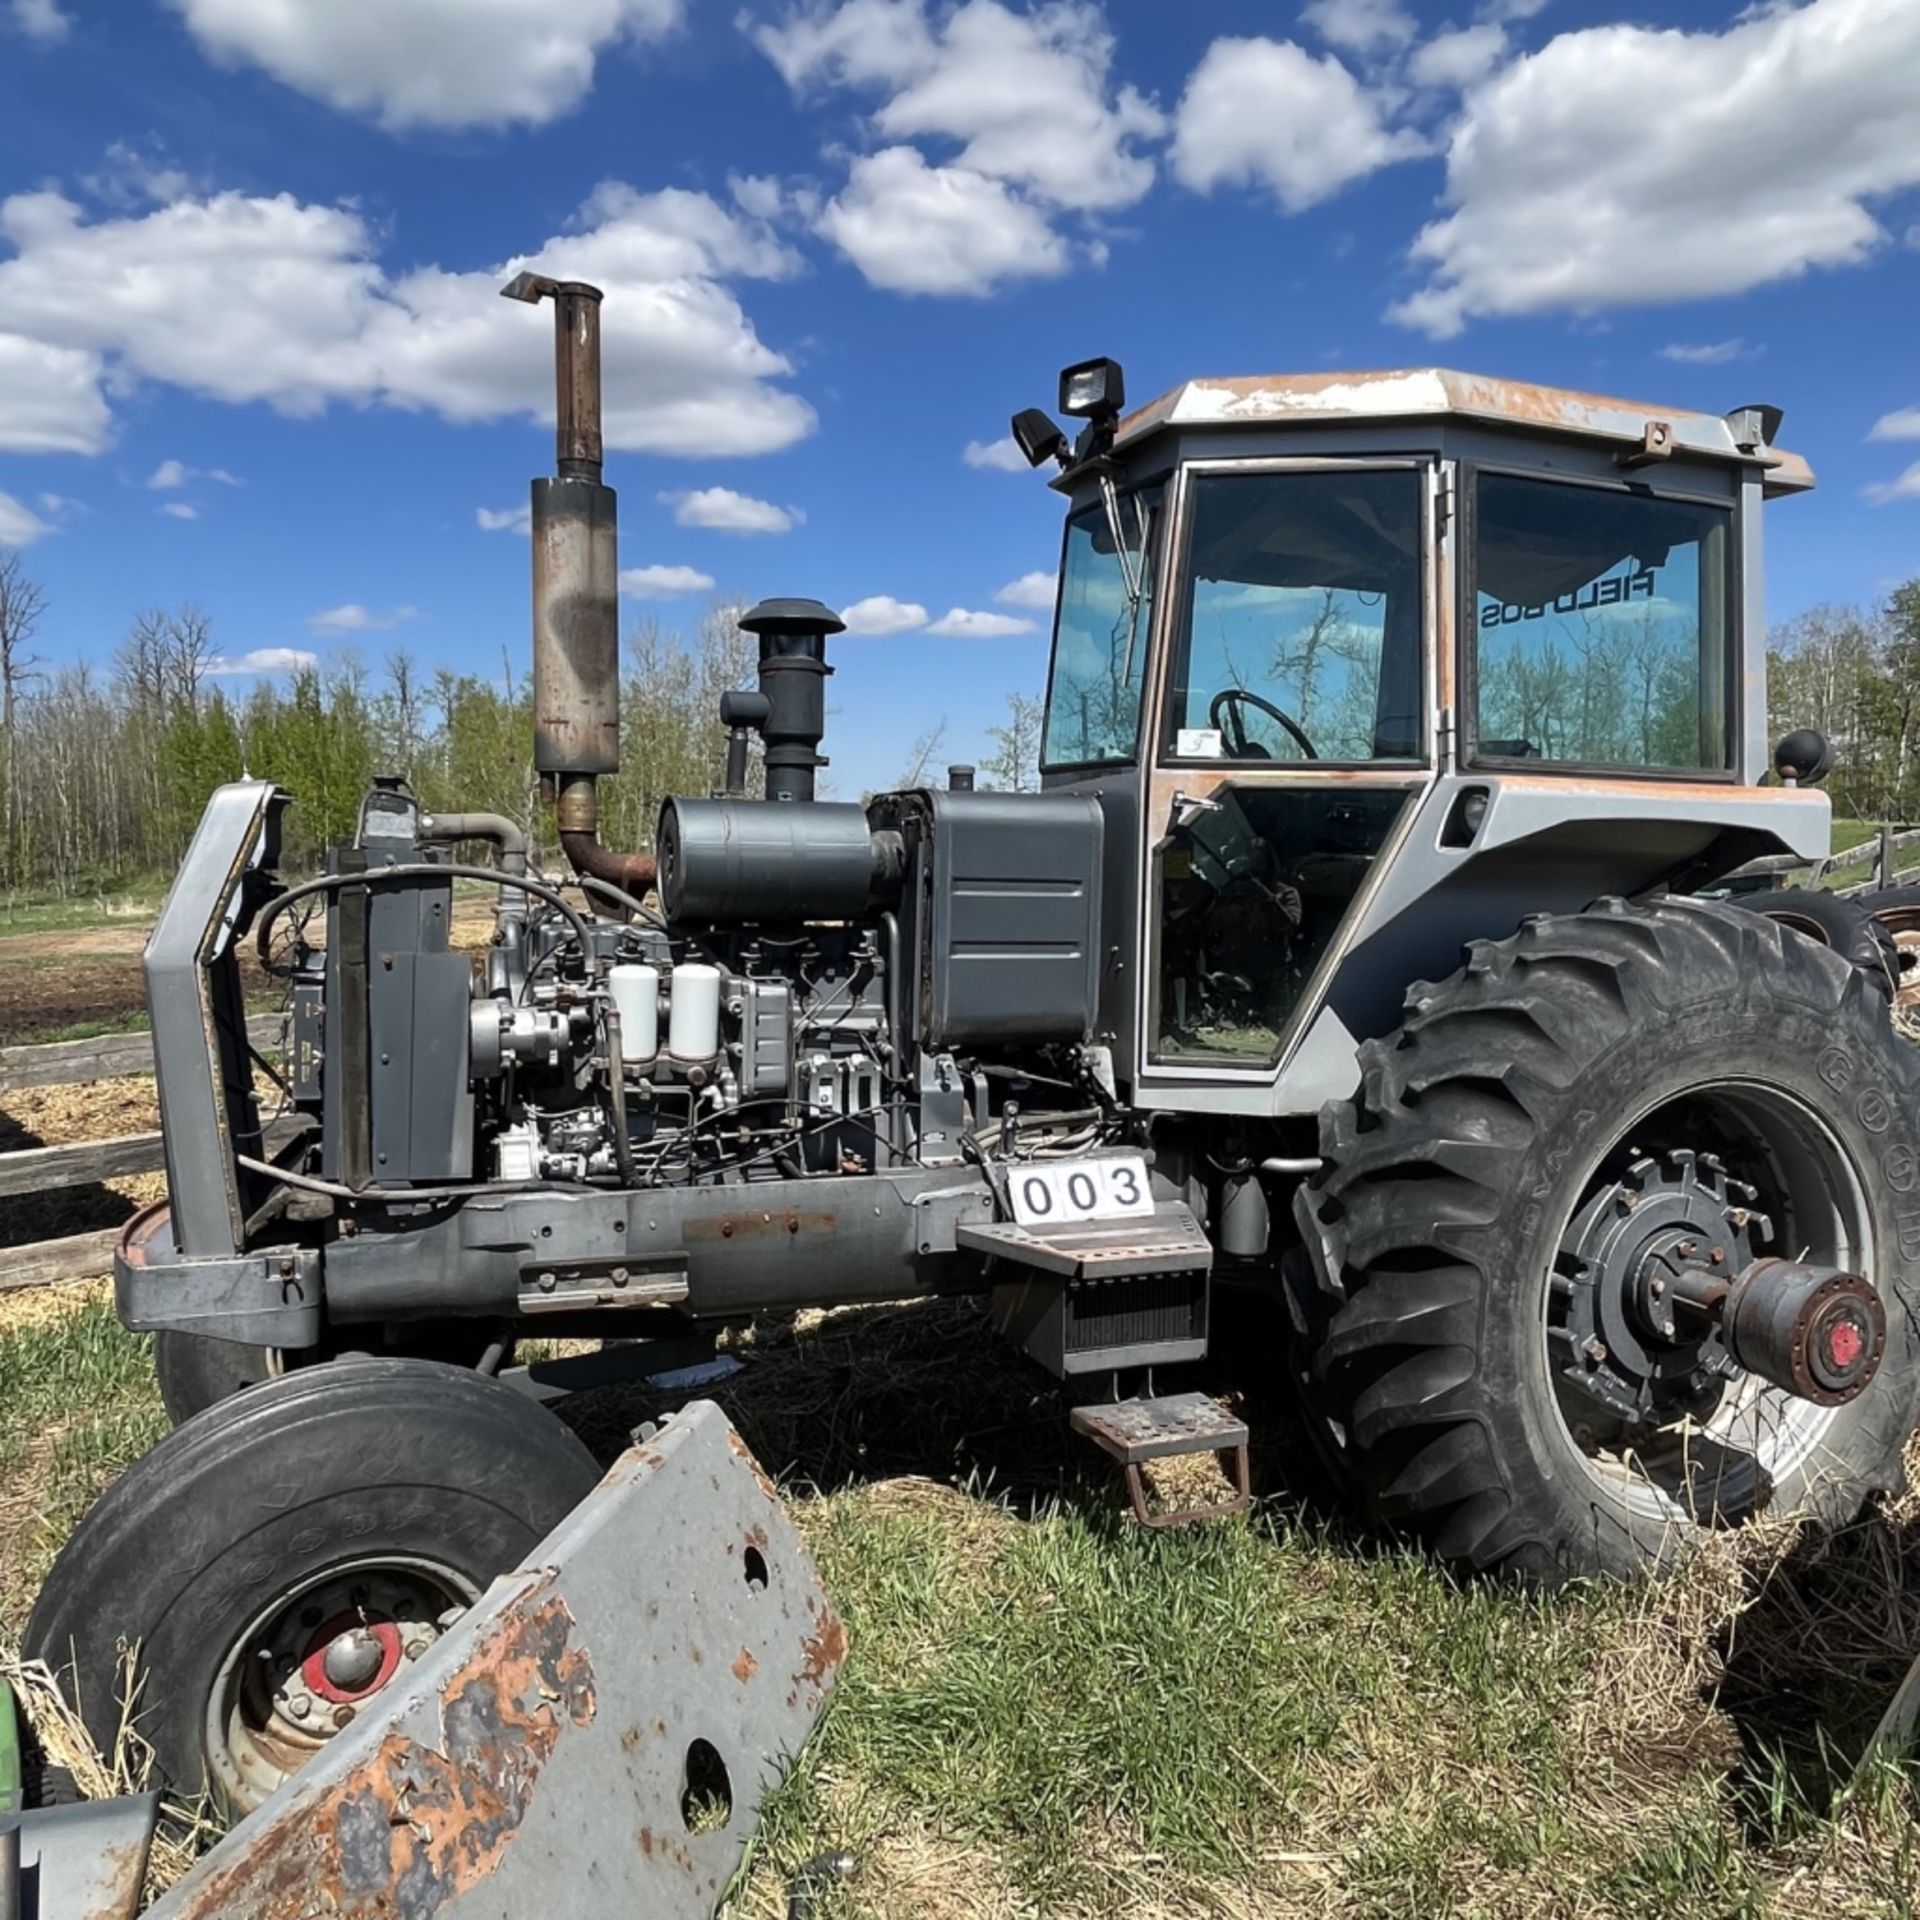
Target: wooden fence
86, 1162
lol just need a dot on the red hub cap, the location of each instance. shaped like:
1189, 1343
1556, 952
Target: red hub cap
349, 1658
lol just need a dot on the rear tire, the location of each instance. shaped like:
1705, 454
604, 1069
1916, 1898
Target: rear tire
1483, 1129
389, 1491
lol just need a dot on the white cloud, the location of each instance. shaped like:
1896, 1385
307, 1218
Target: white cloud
505, 519
41, 20
979, 626
1025, 95
1553, 208
266, 660
721, 510
1882, 493
862, 43
1030, 590
180, 510
50, 398
1001, 456
169, 473
1361, 26
435, 63
136, 174
354, 618
1019, 106
1459, 56
20, 526
663, 583
913, 228
882, 613
1268, 113
245, 298
1903, 424
1708, 353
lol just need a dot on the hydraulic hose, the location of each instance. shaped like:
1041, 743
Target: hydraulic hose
425, 870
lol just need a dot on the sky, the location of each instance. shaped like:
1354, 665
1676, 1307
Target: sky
252, 357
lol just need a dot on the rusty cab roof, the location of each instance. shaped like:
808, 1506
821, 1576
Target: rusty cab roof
1432, 393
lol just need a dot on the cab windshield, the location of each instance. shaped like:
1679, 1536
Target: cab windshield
1100, 635
1300, 636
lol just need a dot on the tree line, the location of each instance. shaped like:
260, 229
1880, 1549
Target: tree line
105, 769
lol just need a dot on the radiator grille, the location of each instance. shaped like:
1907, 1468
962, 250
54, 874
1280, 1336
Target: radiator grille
1135, 1310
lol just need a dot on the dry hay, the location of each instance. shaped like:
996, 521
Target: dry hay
56, 1730
33, 1309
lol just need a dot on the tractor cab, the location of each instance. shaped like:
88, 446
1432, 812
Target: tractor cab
1331, 648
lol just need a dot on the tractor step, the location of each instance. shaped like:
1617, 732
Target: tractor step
1169, 1241
1135, 1432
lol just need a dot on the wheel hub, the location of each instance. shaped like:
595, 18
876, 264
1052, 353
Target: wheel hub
1628, 1332
1662, 1300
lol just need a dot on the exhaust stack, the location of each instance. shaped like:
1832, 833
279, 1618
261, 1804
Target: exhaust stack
576, 585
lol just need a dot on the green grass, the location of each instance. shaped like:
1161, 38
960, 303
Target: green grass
135, 908
1049, 1712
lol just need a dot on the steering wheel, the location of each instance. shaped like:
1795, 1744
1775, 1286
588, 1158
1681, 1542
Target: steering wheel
1225, 715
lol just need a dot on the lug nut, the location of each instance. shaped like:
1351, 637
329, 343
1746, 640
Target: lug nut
342, 1716
300, 1706
1596, 1351
548, 1282
415, 1648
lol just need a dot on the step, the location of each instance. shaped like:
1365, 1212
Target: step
1169, 1242
1160, 1428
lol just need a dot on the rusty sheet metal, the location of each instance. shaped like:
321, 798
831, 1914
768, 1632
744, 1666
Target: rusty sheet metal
594, 1737
82, 1862
1266, 400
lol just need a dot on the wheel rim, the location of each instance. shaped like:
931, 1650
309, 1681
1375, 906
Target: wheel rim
312, 1663
1765, 1157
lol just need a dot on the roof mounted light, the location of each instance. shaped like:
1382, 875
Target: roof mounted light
1038, 436
1094, 390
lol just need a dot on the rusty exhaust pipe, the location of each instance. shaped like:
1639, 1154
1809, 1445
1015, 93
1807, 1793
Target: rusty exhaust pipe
576, 587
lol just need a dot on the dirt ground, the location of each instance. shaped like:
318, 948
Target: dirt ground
49, 981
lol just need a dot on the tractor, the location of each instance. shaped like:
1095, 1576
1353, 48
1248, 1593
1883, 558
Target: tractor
1366, 948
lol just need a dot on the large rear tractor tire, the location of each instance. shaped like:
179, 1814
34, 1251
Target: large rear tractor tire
1546, 1128
282, 1559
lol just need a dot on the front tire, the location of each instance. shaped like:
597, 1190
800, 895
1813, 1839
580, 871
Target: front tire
1692, 1047
195, 1372
371, 1500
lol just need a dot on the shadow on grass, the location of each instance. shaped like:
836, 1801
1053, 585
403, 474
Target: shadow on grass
1811, 1666
927, 1388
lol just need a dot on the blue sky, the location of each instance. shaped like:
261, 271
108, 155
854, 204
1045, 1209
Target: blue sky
249, 252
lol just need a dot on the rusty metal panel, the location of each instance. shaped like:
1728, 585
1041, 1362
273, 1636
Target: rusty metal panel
541, 1760
81, 1862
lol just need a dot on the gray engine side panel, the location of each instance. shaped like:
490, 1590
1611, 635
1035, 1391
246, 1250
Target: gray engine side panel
1008, 936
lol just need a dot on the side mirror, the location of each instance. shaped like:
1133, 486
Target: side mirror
1804, 757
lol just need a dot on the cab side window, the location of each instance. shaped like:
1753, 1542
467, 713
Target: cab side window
1601, 626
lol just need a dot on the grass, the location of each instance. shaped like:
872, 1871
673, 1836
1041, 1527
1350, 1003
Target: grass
1047, 1712
68, 916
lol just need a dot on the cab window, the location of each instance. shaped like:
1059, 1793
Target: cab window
1300, 633
1100, 633
1601, 626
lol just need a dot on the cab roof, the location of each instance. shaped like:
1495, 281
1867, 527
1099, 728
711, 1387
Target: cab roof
1269, 400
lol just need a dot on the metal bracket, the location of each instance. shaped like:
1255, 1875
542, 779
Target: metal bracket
1656, 444
595, 1736
270, 1296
